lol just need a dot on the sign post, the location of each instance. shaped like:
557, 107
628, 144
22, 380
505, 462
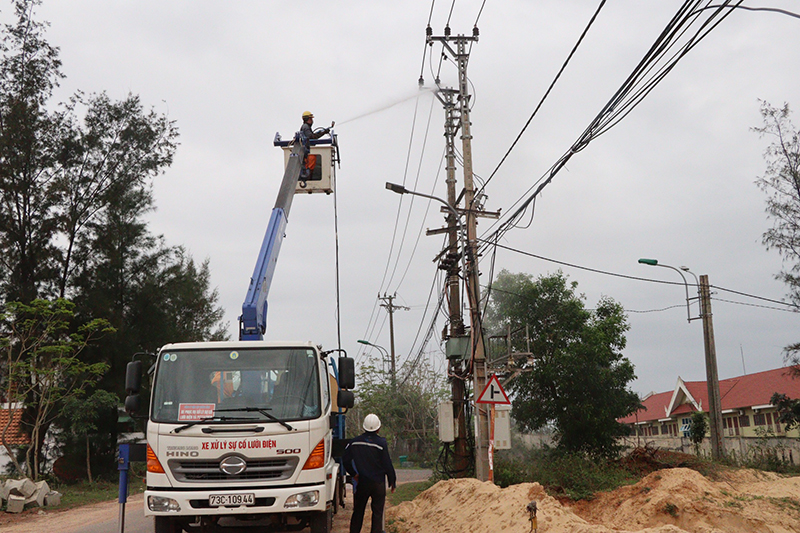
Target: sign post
492, 394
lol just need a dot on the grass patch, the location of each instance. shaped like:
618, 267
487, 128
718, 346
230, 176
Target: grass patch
786, 503
563, 474
408, 491
85, 493
671, 509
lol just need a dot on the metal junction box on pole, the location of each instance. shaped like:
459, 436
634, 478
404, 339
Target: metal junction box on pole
502, 427
447, 426
457, 347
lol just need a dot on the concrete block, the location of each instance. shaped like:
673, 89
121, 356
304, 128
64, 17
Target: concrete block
42, 488
21, 487
52, 498
15, 504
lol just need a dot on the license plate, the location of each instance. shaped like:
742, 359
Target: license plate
218, 500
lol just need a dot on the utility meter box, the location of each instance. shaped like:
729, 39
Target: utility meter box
447, 423
502, 427
320, 166
457, 347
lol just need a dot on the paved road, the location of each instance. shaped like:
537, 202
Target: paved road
103, 517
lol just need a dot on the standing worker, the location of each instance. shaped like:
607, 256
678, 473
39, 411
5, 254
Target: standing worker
306, 134
367, 459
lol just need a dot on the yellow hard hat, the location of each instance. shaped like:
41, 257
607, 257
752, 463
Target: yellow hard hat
307, 114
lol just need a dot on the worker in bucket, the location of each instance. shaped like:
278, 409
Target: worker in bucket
306, 134
367, 460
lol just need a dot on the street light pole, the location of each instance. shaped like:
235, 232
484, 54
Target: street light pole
456, 233
712, 377
380, 348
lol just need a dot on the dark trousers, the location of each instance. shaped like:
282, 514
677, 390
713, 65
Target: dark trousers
365, 490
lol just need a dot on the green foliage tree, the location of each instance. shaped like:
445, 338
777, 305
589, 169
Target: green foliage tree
29, 70
84, 415
408, 412
114, 150
788, 409
75, 186
698, 427
59, 170
781, 182
42, 367
578, 380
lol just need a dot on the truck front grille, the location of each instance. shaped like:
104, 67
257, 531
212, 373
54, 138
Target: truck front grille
202, 470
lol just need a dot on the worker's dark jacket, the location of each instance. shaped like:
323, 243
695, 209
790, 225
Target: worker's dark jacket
308, 133
368, 456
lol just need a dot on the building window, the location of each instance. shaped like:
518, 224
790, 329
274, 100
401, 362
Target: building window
664, 429
744, 421
759, 419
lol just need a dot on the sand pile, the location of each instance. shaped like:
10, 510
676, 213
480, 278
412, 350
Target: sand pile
667, 501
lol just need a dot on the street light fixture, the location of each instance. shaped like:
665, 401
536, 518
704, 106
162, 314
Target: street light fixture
654, 262
381, 348
399, 189
712, 377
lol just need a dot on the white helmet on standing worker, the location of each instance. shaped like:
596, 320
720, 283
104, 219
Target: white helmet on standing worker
372, 422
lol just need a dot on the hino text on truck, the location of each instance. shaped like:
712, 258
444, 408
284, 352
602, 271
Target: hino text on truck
248, 433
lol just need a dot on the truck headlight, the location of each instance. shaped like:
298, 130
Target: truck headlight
161, 504
303, 499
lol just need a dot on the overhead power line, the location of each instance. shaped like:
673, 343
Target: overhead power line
791, 307
546, 93
688, 27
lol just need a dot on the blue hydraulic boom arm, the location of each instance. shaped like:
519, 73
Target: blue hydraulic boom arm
253, 322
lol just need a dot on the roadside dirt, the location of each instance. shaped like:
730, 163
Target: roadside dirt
676, 500
67, 520
39, 520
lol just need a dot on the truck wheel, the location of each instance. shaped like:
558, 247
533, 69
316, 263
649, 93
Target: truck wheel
165, 524
322, 522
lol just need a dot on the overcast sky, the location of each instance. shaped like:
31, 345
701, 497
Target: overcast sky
674, 180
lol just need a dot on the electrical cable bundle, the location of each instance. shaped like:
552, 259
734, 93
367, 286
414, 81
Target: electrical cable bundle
693, 21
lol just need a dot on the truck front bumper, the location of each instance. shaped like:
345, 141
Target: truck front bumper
184, 503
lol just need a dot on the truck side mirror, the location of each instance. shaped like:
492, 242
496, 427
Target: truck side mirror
347, 373
133, 382
133, 377
345, 399
132, 404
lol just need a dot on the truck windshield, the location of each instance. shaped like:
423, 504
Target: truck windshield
192, 384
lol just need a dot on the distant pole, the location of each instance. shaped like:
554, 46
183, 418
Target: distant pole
741, 350
712, 378
388, 304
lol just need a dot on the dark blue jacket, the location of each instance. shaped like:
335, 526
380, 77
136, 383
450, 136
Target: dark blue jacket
368, 456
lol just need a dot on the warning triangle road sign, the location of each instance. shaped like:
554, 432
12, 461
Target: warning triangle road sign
493, 393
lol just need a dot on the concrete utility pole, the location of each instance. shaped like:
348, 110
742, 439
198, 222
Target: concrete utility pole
388, 304
456, 47
712, 378
461, 450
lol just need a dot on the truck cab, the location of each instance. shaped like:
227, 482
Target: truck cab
240, 434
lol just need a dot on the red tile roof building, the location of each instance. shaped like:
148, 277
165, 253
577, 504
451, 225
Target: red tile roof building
14, 435
745, 405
